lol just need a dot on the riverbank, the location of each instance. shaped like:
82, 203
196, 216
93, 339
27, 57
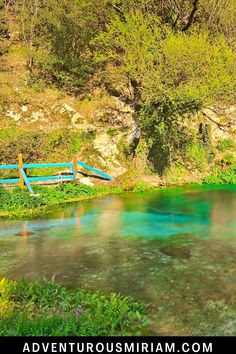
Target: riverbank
33, 308
20, 204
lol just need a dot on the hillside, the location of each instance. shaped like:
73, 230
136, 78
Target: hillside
120, 86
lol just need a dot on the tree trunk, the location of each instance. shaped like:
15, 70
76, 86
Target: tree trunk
136, 106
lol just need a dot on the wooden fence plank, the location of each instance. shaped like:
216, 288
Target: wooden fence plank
23, 179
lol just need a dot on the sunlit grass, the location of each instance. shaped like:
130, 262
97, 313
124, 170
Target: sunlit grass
45, 308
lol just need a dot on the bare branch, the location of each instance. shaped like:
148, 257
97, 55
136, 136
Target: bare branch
221, 126
191, 16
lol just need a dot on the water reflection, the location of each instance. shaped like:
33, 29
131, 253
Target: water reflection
158, 215
174, 249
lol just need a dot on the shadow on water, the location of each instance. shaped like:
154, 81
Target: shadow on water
174, 249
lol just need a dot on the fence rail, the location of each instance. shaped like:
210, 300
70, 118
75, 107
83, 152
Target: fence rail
24, 180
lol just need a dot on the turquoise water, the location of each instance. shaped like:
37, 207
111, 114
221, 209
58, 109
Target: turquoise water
174, 249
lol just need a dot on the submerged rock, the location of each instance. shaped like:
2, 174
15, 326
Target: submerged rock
176, 251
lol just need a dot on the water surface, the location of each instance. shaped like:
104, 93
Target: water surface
174, 249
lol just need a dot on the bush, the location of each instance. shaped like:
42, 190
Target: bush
196, 155
38, 146
227, 176
141, 186
228, 159
225, 144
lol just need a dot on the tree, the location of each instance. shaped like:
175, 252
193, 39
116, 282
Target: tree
195, 72
129, 47
171, 73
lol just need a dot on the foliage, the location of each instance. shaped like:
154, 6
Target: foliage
39, 145
196, 155
21, 202
130, 43
227, 176
167, 59
228, 159
225, 144
172, 74
141, 186
3, 23
48, 309
55, 40
176, 174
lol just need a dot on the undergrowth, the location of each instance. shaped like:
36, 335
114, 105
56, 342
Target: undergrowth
227, 176
48, 309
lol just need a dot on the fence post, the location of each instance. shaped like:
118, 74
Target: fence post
75, 166
20, 165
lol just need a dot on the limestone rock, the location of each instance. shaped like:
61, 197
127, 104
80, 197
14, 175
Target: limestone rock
87, 181
12, 114
106, 146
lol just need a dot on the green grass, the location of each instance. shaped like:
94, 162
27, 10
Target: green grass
48, 309
227, 176
141, 186
20, 203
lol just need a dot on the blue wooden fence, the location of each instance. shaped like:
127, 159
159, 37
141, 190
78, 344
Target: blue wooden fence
25, 180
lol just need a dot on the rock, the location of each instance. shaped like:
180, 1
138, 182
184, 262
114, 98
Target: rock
87, 181
153, 181
176, 251
75, 118
222, 121
106, 146
35, 116
117, 171
12, 114
112, 167
86, 127
24, 108
67, 108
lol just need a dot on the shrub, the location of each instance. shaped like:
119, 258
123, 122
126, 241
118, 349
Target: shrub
141, 186
227, 176
38, 146
48, 309
225, 144
196, 155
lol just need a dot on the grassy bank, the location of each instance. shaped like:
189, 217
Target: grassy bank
47, 309
19, 203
